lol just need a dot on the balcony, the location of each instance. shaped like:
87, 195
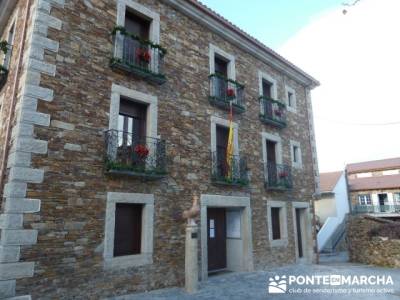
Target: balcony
129, 155
224, 91
278, 177
377, 209
272, 112
229, 172
139, 57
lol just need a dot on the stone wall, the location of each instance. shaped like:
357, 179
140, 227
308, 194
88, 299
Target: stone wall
68, 255
363, 248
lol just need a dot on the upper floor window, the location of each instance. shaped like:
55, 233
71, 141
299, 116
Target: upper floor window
364, 199
136, 42
224, 89
137, 25
296, 154
291, 100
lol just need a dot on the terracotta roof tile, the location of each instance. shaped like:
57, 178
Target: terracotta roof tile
383, 164
328, 180
373, 183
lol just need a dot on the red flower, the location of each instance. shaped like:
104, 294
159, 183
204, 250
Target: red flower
144, 55
230, 92
283, 174
141, 151
278, 112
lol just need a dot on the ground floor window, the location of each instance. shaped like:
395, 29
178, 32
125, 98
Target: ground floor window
128, 229
277, 223
275, 220
128, 239
364, 199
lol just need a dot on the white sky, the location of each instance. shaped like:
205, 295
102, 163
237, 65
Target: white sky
356, 57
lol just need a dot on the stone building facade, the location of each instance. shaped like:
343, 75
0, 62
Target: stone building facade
76, 99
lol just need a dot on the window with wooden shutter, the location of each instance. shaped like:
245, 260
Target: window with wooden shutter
276, 223
137, 25
128, 229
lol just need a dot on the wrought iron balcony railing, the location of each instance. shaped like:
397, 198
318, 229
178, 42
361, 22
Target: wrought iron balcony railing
232, 171
223, 91
277, 176
376, 209
272, 112
4, 66
127, 154
137, 56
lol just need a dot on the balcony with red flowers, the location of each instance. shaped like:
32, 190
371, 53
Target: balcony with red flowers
272, 112
224, 91
129, 155
277, 176
142, 58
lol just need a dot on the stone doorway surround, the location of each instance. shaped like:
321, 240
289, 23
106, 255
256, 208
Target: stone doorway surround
228, 202
306, 232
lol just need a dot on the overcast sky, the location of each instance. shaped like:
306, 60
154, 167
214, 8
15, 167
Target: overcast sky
357, 59
355, 56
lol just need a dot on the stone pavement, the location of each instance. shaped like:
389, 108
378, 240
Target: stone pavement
254, 285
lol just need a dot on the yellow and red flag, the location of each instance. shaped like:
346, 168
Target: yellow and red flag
229, 148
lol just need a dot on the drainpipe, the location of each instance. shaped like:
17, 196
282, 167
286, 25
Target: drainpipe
14, 97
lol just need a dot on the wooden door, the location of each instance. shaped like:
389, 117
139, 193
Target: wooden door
128, 229
271, 162
299, 235
216, 228
136, 25
222, 144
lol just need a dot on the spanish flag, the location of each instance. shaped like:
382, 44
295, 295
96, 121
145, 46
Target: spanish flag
229, 148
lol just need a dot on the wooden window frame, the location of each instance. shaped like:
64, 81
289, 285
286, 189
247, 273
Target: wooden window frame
146, 254
283, 241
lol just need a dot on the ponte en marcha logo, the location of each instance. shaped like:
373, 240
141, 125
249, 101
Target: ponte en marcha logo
282, 284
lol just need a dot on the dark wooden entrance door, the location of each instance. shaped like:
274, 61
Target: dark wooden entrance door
299, 236
216, 234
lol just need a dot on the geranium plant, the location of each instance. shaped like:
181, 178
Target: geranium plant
142, 151
230, 92
144, 55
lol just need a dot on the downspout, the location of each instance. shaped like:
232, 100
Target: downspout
14, 94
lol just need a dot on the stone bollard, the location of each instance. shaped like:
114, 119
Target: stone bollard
191, 262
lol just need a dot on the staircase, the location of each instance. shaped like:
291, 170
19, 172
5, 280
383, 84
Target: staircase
335, 239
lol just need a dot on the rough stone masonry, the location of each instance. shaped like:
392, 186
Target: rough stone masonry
55, 198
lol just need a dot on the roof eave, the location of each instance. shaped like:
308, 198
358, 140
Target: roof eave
235, 35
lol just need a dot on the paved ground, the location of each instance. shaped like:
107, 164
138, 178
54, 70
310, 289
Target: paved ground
254, 285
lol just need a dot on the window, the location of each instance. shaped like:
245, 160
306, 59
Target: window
396, 198
221, 62
267, 86
128, 237
131, 122
10, 40
364, 199
275, 220
139, 20
277, 223
128, 229
296, 154
291, 101
137, 25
